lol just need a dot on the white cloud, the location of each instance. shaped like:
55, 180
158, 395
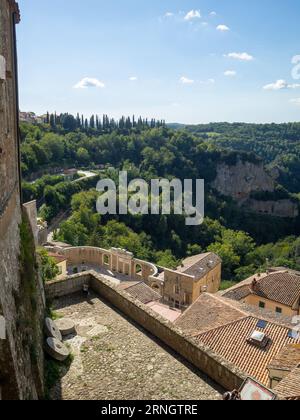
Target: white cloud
230, 73
193, 14
133, 78
186, 81
169, 14
295, 101
207, 82
89, 82
240, 56
223, 28
280, 85
296, 59
213, 13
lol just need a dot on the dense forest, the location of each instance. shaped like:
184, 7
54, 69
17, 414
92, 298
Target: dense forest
150, 149
277, 144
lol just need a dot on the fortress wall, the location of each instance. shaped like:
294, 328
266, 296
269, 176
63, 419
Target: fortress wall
201, 357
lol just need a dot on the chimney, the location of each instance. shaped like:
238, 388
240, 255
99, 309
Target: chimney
253, 285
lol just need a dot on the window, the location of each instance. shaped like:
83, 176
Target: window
187, 299
177, 290
106, 260
262, 305
278, 310
262, 324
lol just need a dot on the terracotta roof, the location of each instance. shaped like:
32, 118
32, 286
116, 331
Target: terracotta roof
238, 293
231, 343
143, 293
209, 311
288, 359
126, 284
289, 387
283, 288
199, 265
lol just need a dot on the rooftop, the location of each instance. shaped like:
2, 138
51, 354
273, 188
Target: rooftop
231, 342
109, 366
143, 293
199, 265
289, 387
288, 359
208, 312
281, 287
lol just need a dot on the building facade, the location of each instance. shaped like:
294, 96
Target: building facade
277, 292
199, 274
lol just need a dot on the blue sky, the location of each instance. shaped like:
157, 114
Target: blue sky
180, 60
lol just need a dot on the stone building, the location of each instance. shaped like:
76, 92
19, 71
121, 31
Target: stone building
21, 294
278, 292
180, 288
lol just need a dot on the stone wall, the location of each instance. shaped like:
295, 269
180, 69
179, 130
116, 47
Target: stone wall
21, 354
115, 260
189, 288
201, 357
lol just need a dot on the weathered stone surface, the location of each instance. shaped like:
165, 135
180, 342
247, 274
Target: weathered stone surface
21, 355
280, 208
51, 329
56, 349
66, 326
116, 359
240, 180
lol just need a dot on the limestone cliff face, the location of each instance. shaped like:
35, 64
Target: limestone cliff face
280, 208
241, 180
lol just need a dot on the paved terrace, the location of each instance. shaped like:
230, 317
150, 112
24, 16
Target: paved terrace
116, 359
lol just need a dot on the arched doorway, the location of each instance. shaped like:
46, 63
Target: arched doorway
138, 270
106, 260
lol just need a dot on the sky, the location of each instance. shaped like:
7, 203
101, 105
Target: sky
179, 60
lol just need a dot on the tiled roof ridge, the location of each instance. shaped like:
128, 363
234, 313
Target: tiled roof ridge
133, 285
219, 299
225, 325
249, 316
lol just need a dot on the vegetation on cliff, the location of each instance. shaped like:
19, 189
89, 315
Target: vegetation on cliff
246, 242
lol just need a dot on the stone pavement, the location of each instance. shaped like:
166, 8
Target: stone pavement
115, 359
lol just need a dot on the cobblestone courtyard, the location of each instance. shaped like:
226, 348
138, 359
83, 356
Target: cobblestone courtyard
114, 359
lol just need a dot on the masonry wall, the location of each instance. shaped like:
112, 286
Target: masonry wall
201, 357
21, 362
271, 306
81, 256
189, 288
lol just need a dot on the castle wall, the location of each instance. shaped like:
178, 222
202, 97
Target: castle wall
21, 355
201, 357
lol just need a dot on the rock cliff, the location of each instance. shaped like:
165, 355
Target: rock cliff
241, 180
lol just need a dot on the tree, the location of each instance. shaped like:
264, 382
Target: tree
230, 261
48, 267
82, 156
